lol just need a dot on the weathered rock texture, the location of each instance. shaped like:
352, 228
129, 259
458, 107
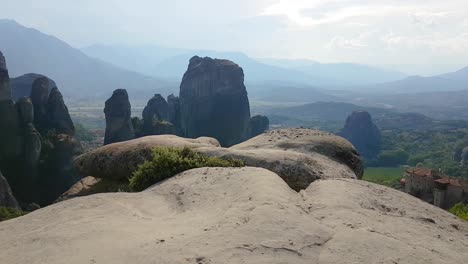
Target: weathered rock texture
363, 134
119, 160
6, 195
258, 125
118, 118
299, 156
246, 215
213, 101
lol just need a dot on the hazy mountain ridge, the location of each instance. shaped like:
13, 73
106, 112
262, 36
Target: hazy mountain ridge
30, 51
171, 63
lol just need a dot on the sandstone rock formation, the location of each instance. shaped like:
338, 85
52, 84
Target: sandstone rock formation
213, 101
118, 118
118, 161
363, 134
6, 195
246, 215
258, 125
58, 116
299, 156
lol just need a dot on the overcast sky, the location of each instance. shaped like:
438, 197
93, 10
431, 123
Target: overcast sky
430, 33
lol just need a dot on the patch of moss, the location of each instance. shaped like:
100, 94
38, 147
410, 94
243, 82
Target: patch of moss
167, 162
7, 213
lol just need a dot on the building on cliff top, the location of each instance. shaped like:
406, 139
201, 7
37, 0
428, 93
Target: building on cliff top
434, 187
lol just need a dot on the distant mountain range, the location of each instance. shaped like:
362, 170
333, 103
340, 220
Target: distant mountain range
171, 63
453, 81
77, 75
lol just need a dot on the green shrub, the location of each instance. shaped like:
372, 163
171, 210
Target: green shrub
460, 210
7, 213
167, 162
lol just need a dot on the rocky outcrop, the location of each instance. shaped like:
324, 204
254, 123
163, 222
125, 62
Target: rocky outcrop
58, 116
37, 144
239, 215
299, 156
118, 118
6, 195
119, 160
258, 125
213, 101
363, 134
308, 142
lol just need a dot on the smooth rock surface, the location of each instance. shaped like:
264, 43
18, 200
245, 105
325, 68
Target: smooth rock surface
307, 141
242, 215
118, 161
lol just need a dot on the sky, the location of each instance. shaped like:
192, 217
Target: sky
414, 36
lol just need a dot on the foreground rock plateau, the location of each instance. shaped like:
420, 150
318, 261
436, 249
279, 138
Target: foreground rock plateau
299, 156
238, 215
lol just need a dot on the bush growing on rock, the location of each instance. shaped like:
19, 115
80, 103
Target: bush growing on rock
167, 162
7, 213
460, 210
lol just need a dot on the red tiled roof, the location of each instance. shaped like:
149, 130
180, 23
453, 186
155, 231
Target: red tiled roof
422, 172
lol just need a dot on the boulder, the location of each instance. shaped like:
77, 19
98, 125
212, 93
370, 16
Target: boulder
363, 134
58, 116
214, 102
6, 195
238, 215
118, 118
119, 160
258, 125
309, 142
297, 169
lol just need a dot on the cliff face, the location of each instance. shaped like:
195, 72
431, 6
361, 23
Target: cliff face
363, 134
214, 102
32, 158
